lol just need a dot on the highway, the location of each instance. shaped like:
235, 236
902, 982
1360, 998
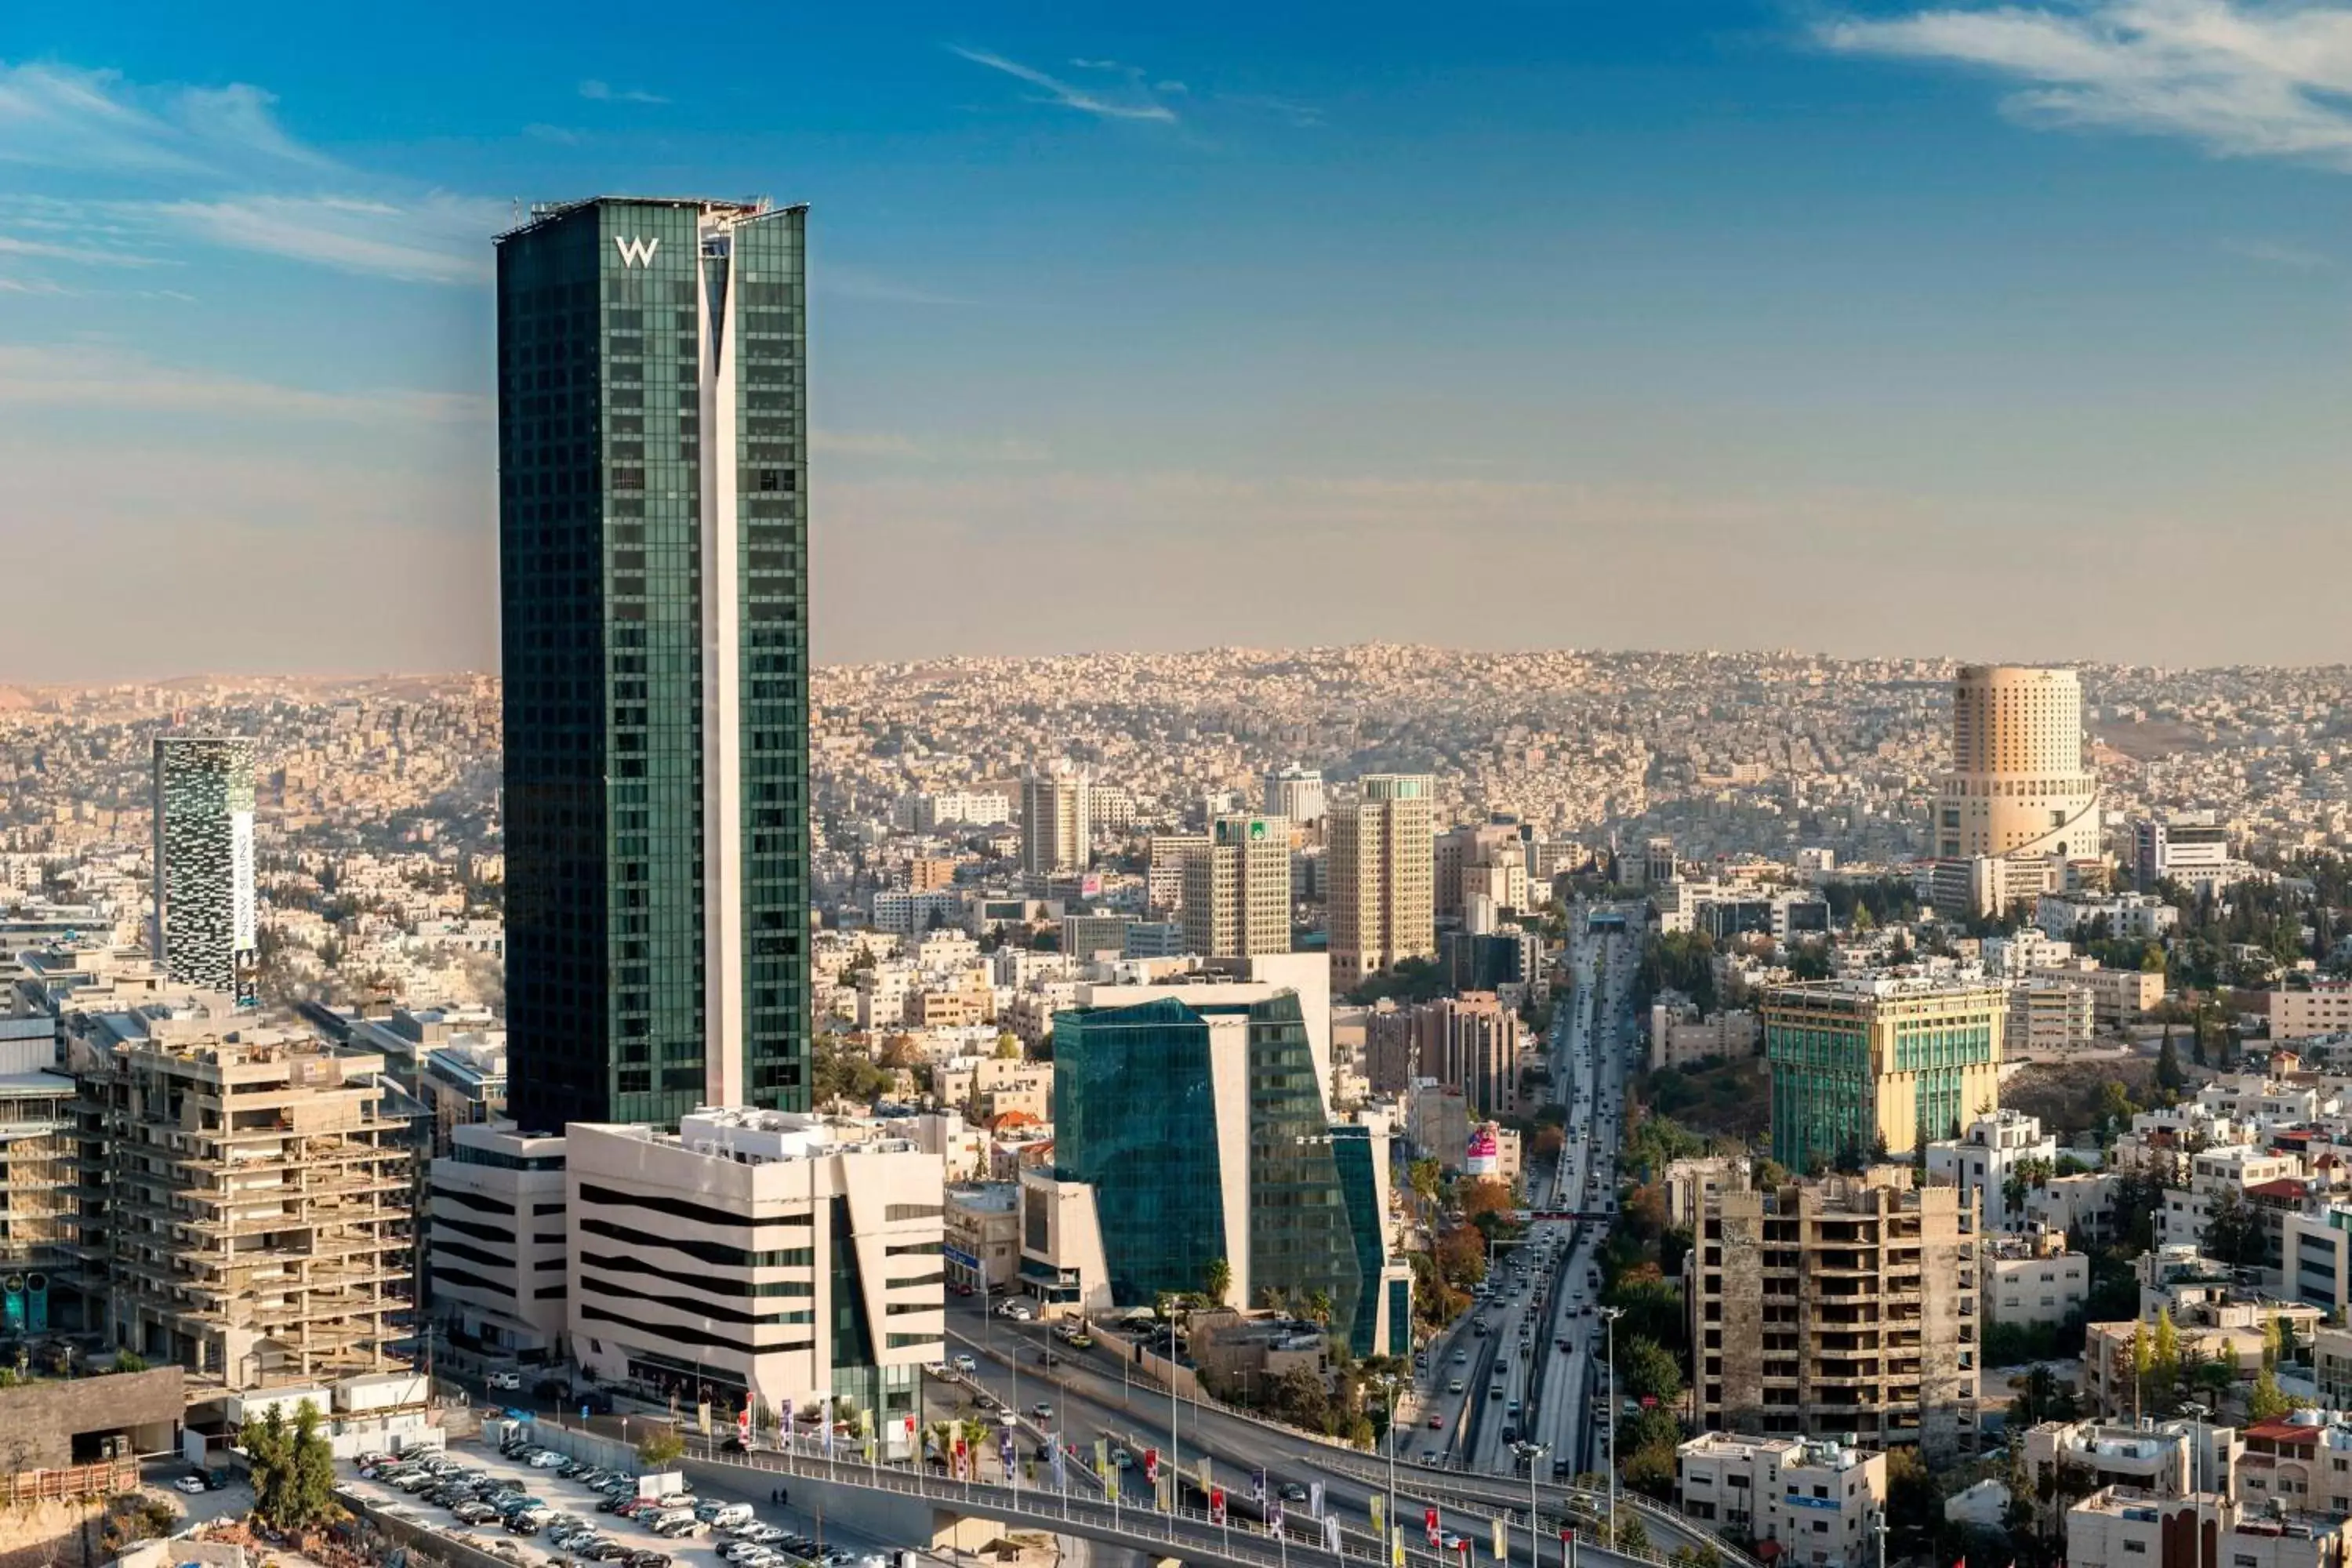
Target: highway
1527, 1364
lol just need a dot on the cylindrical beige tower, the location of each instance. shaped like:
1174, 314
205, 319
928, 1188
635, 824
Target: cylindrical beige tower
2018, 786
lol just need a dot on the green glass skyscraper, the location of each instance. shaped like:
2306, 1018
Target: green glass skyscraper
652, 573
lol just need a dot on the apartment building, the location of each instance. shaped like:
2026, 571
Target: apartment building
2119, 997
2032, 1282
2050, 1016
257, 1201
41, 1249
496, 1234
767, 1257
1843, 1306
1867, 1065
2324, 1009
1983, 1158
1471, 1043
1817, 1501
983, 1236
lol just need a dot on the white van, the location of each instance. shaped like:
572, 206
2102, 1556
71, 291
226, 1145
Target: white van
726, 1516
671, 1517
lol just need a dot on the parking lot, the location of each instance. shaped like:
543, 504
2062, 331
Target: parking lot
793, 1540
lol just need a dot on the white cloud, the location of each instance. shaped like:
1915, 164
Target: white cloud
441, 238
2239, 77
95, 375
61, 117
1137, 105
211, 164
2272, 253
605, 93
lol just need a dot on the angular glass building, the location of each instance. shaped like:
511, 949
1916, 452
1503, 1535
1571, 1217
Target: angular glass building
654, 589
203, 912
1199, 1123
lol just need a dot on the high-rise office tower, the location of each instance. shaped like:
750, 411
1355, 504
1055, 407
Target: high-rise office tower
1380, 870
1296, 794
2018, 788
1237, 888
654, 578
204, 920
1056, 833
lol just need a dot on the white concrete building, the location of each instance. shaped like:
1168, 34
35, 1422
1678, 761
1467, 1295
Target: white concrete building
1817, 1501
497, 1238
1981, 1159
759, 1254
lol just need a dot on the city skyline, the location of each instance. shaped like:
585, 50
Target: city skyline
1866, 303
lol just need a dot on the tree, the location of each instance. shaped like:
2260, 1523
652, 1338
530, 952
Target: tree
1008, 1048
1216, 1280
293, 1469
2266, 1401
1647, 1370
2168, 1072
1318, 1306
1632, 1539
1914, 1508
660, 1448
2234, 1231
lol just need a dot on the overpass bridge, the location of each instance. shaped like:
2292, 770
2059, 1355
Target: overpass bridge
936, 1505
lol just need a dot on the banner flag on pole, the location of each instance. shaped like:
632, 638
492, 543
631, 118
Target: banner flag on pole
1502, 1541
1061, 1468
1396, 1547
1273, 1516
1315, 1500
1380, 1517
1257, 1486
1331, 1532
1429, 1522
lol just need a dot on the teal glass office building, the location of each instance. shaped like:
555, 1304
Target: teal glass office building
1201, 1127
654, 591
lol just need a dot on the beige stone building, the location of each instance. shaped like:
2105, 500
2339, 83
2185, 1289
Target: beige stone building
1237, 888
1846, 1305
1381, 871
2018, 786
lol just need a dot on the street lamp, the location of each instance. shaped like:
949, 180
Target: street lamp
1535, 1451
1389, 1382
1609, 1315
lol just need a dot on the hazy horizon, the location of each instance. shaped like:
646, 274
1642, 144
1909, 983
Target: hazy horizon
1880, 325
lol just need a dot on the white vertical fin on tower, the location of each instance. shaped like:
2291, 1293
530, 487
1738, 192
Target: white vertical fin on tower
722, 663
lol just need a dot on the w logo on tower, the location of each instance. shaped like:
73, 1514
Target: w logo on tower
636, 252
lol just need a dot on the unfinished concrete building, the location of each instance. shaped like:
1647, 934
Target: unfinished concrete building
255, 1198
1841, 1307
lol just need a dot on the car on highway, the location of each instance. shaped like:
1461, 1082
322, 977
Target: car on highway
965, 1364
1293, 1492
1453, 1386
1437, 1420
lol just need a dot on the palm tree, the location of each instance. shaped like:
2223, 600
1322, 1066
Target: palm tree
1318, 1306
1219, 1279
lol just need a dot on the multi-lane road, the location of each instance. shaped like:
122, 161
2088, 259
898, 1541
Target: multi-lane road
1525, 1366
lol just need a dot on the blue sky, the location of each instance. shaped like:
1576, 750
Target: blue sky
1870, 327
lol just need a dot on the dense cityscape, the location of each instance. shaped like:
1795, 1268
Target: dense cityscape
667, 1101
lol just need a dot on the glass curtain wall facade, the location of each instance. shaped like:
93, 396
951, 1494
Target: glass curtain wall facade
1352, 1157
653, 566
1302, 1242
204, 927
1135, 1114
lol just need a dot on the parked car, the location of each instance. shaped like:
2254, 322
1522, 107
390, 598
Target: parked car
190, 1483
546, 1459
505, 1378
